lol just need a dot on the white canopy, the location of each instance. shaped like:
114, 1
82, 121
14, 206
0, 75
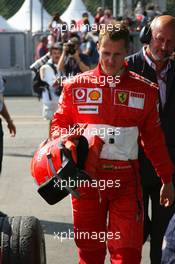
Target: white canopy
21, 20
5, 26
74, 11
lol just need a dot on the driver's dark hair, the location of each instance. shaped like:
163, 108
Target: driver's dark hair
116, 30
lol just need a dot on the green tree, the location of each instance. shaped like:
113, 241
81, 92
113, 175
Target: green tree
53, 6
171, 7
10, 7
92, 5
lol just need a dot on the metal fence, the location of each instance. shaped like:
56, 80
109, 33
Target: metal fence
12, 46
15, 54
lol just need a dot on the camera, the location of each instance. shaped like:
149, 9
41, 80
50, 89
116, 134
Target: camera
70, 48
38, 63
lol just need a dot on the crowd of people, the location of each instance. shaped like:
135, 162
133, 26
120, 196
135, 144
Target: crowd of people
145, 93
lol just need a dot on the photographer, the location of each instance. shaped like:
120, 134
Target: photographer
72, 61
49, 74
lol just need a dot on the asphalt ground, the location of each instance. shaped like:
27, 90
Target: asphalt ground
18, 194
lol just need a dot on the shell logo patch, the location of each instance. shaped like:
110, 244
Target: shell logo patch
94, 95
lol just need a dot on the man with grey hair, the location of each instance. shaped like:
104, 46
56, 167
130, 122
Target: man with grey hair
153, 62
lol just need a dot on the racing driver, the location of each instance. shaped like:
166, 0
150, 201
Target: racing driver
122, 105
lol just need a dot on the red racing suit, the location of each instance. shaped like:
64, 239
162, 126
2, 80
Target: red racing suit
121, 112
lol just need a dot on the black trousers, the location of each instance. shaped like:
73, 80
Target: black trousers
156, 226
1, 145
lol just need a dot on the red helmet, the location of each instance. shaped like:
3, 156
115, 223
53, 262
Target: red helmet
40, 168
54, 163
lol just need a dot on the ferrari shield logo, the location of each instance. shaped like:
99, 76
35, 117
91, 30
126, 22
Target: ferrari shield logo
122, 96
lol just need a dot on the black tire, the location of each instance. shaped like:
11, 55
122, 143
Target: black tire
4, 238
21, 241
